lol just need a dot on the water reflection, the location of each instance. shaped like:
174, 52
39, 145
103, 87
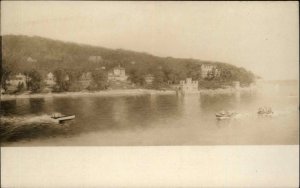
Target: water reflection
119, 110
218, 102
8, 107
237, 96
191, 105
23, 106
163, 119
37, 105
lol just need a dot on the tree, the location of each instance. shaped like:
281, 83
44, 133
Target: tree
158, 81
5, 72
99, 80
52, 54
136, 76
74, 76
20, 87
35, 81
62, 83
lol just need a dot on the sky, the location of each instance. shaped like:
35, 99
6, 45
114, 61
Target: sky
260, 36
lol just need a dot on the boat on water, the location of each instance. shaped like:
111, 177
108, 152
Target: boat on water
265, 111
225, 115
59, 118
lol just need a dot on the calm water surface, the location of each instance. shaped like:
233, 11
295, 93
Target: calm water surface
155, 119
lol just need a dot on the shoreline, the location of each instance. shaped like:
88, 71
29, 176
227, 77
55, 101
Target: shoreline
127, 92
227, 90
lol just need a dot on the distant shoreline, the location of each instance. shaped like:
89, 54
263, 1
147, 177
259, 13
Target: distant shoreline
227, 90
127, 92
89, 93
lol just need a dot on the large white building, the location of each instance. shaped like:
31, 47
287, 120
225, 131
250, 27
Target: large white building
188, 86
117, 74
208, 71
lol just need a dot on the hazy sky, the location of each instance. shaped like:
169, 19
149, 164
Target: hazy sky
260, 36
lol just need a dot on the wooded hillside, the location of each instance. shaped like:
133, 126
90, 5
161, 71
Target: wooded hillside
24, 53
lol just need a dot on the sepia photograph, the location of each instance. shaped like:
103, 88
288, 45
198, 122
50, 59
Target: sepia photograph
168, 73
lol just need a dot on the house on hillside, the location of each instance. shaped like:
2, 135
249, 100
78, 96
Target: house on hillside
20, 80
85, 80
188, 86
50, 82
209, 71
50, 79
31, 60
149, 78
117, 74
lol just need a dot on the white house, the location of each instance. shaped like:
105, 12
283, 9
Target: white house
117, 74
50, 79
208, 70
31, 60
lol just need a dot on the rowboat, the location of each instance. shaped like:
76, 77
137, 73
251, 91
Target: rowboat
225, 115
59, 118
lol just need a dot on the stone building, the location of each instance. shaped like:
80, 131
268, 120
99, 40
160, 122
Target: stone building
209, 71
188, 85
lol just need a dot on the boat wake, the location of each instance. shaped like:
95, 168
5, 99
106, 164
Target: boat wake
275, 114
242, 116
15, 128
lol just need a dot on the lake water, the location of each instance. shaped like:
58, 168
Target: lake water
155, 119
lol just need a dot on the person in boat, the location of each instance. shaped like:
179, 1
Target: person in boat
261, 110
56, 115
225, 113
265, 110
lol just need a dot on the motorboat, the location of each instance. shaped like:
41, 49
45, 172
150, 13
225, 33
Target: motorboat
225, 115
264, 111
59, 118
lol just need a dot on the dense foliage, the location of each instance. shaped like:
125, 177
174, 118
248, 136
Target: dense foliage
24, 53
35, 83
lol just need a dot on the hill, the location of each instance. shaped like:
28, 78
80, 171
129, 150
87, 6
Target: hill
22, 53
